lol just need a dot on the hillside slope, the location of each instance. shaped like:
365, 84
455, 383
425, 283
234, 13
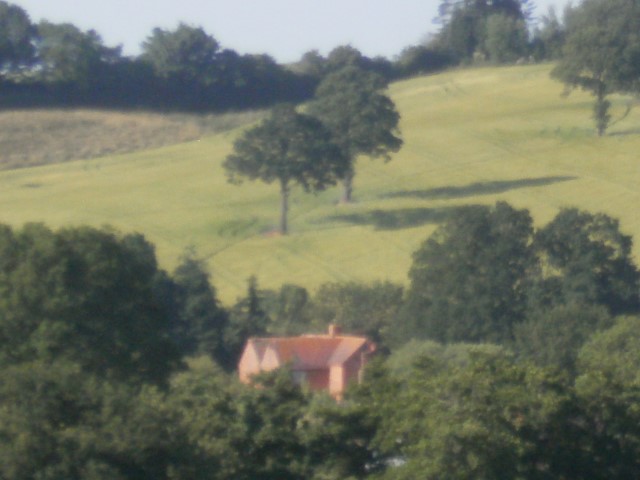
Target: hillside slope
471, 137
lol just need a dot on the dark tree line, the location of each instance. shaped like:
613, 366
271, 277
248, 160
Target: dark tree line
49, 64
180, 69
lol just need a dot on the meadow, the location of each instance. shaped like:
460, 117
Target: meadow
472, 136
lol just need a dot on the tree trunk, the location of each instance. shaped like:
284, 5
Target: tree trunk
347, 187
284, 207
601, 110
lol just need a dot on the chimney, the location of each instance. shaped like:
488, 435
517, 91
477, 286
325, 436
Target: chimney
334, 330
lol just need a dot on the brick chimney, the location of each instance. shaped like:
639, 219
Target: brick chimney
334, 330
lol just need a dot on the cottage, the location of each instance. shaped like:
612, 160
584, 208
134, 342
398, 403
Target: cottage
323, 362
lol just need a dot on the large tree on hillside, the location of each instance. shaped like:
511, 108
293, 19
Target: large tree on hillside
601, 53
289, 148
362, 119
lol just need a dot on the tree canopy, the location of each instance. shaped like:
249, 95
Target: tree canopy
69, 55
16, 34
601, 53
468, 278
361, 119
87, 296
288, 147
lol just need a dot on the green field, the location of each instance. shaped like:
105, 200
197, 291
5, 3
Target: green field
471, 137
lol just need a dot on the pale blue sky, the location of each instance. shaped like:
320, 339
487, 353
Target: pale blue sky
284, 29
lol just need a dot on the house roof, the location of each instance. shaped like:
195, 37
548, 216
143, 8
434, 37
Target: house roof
311, 352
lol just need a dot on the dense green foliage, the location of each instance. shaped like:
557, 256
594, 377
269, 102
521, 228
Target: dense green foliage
91, 384
362, 120
86, 296
287, 148
601, 53
98, 379
467, 280
16, 34
474, 29
484, 271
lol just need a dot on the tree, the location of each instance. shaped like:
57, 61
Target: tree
69, 55
86, 296
287, 147
553, 337
186, 55
247, 318
548, 37
420, 60
506, 38
587, 260
362, 120
202, 319
489, 417
16, 37
288, 310
608, 386
367, 309
464, 23
601, 53
468, 280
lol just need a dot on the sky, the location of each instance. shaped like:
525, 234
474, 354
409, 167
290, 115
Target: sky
284, 29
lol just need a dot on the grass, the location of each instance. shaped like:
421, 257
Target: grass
471, 137
40, 137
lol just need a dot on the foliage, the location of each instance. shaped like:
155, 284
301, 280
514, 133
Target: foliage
548, 37
69, 55
59, 422
366, 309
288, 310
609, 387
186, 55
468, 278
601, 53
87, 296
465, 27
420, 60
247, 318
362, 120
553, 337
506, 38
337, 439
16, 33
490, 418
202, 320
288, 147
587, 260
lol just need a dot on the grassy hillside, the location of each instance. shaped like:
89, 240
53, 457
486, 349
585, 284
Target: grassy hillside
40, 137
472, 136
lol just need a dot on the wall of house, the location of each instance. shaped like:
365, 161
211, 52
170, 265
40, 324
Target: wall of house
318, 379
249, 364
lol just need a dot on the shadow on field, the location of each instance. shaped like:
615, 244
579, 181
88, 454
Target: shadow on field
478, 188
397, 219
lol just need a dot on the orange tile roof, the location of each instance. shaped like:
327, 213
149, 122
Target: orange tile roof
310, 352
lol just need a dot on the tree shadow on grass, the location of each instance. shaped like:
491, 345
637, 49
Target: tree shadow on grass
397, 219
478, 188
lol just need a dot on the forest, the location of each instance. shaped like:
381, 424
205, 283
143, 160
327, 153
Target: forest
512, 352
